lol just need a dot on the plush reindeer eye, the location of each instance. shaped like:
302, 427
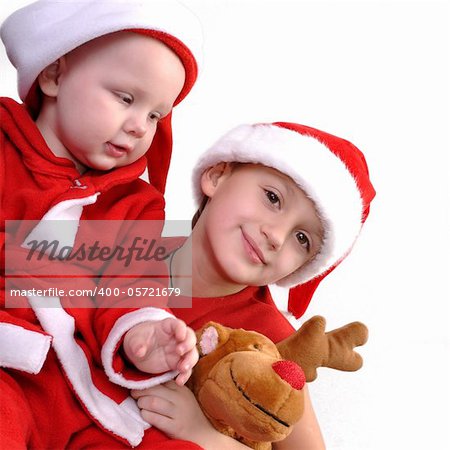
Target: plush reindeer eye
257, 347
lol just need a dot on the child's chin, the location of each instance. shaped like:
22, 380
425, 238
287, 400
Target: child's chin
103, 166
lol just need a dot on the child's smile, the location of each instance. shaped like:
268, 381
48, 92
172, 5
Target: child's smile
254, 252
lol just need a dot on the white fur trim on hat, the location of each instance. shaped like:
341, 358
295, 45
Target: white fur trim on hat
322, 175
38, 34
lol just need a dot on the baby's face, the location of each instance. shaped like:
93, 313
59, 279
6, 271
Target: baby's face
111, 94
259, 225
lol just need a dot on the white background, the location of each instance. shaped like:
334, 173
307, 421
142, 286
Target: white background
377, 73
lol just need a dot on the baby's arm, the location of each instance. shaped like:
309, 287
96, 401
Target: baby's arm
306, 434
158, 346
175, 411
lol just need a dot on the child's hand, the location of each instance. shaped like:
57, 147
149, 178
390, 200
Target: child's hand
175, 411
155, 347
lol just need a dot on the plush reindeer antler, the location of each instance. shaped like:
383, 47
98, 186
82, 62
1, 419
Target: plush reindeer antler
311, 347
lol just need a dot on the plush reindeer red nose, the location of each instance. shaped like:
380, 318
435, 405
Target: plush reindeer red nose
291, 372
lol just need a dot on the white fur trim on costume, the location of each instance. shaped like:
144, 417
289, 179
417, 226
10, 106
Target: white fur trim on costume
130, 405
22, 349
40, 33
122, 325
314, 168
112, 416
61, 325
60, 223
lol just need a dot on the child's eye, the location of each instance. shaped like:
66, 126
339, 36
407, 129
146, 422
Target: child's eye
303, 240
273, 198
125, 98
154, 116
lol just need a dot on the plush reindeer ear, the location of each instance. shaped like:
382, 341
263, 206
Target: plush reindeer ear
211, 336
208, 340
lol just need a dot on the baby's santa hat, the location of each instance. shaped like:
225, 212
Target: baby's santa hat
38, 34
331, 171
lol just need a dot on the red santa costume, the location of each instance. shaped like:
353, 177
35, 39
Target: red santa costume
63, 372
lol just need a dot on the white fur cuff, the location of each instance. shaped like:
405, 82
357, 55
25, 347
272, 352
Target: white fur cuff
22, 349
122, 325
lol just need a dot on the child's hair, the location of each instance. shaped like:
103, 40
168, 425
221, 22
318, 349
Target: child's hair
199, 211
331, 171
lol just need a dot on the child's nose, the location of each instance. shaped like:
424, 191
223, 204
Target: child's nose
136, 125
274, 235
291, 372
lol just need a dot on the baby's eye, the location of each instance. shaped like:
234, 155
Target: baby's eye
125, 98
154, 116
273, 198
303, 240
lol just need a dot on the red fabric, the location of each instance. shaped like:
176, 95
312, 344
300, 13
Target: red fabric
253, 308
93, 439
300, 296
32, 403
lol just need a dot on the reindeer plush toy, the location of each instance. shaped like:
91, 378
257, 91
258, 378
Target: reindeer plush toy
251, 389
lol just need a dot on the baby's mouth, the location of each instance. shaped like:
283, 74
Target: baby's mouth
116, 151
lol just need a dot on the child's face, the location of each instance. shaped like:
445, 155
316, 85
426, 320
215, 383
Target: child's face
108, 97
258, 225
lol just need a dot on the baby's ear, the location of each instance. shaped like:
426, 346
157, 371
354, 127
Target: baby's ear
48, 79
212, 177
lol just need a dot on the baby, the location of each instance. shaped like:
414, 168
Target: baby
98, 81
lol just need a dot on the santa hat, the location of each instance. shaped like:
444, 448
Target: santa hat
38, 34
331, 171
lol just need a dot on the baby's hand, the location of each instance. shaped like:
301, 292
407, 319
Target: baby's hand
168, 344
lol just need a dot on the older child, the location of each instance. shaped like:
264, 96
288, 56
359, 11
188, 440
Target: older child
98, 81
279, 203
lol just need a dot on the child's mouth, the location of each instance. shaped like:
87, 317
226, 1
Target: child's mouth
252, 249
115, 150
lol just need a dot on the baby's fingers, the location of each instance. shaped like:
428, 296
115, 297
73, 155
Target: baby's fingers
182, 378
136, 348
185, 366
174, 327
188, 343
